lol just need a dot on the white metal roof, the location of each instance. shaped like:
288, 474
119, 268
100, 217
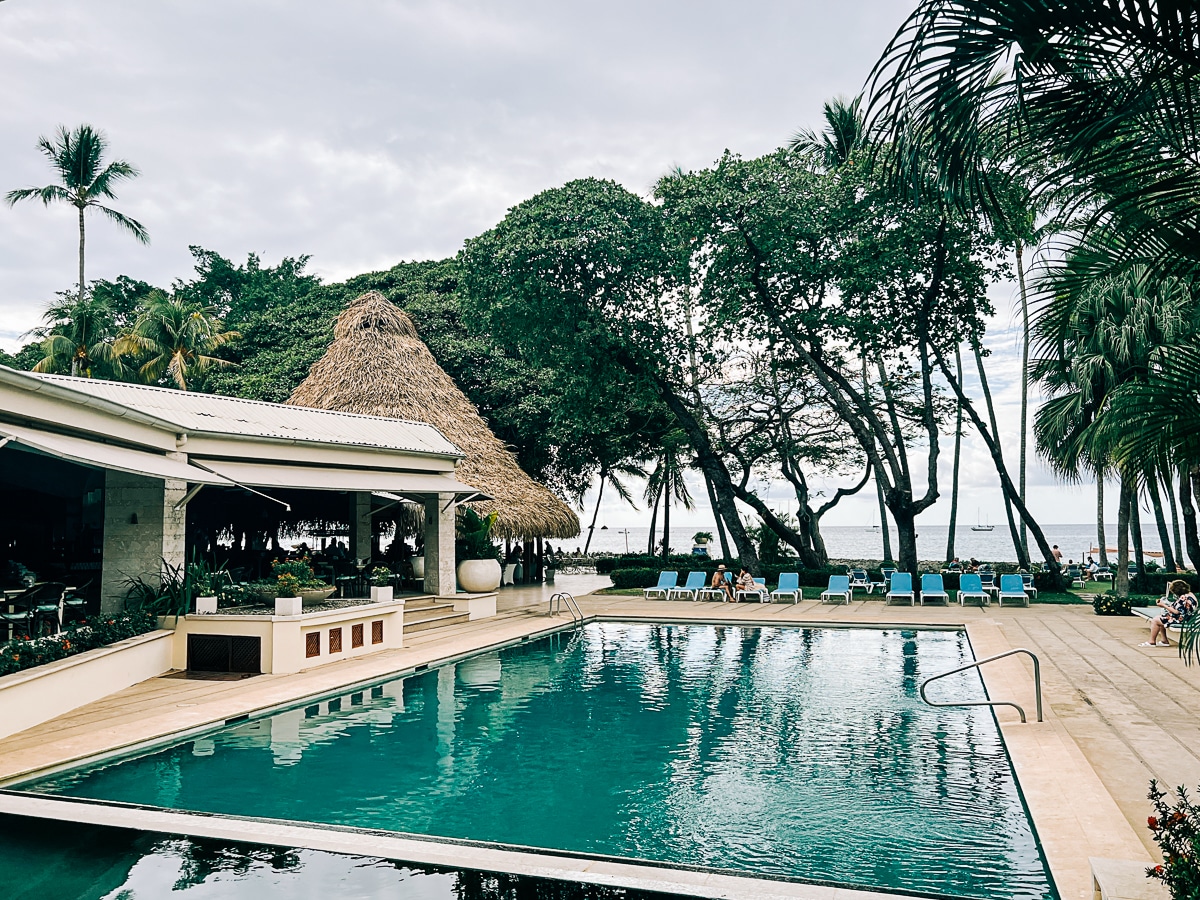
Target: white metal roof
268, 475
216, 414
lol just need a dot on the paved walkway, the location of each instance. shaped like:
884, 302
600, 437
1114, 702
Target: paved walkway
1117, 714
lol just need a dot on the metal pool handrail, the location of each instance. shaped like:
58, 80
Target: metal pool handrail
1037, 683
561, 599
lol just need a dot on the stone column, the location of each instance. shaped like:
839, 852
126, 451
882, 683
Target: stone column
360, 525
439, 545
142, 528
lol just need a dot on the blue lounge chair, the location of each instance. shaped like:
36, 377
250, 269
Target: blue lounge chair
1012, 588
860, 579
1027, 582
695, 581
762, 596
971, 588
901, 589
666, 581
1104, 573
789, 586
933, 590
1076, 575
839, 586
988, 580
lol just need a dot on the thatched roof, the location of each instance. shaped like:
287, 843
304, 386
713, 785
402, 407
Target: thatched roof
378, 366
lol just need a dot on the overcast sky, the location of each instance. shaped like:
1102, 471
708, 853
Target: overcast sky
366, 133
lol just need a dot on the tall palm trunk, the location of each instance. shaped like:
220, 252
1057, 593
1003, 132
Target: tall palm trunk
653, 521
1018, 544
1123, 505
1190, 531
1135, 526
81, 245
957, 455
712, 499
1164, 537
1101, 536
1020, 249
599, 497
666, 541
1165, 474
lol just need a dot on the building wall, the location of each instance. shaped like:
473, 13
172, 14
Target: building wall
141, 529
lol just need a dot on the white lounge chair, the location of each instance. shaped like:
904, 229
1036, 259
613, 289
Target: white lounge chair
933, 590
839, 587
695, 581
971, 588
1012, 588
901, 589
763, 596
789, 586
666, 581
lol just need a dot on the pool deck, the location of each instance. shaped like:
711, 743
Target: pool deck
1117, 715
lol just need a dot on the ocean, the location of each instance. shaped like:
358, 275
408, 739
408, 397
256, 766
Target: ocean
863, 542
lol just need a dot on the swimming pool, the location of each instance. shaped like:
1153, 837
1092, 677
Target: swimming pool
784, 752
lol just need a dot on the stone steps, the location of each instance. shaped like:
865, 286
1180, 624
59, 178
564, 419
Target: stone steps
424, 615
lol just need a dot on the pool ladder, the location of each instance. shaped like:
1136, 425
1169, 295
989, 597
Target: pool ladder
563, 599
1037, 684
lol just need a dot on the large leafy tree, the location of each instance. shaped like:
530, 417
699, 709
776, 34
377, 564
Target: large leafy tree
85, 182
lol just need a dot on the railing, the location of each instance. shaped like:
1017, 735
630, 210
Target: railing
1037, 684
561, 599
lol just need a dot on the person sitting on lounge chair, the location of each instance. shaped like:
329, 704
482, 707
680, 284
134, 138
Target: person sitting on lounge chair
746, 582
720, 582
1177, 606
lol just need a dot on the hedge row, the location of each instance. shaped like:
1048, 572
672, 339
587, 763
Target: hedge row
1155, 583
97, 631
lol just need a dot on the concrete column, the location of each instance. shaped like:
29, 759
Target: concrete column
439, 545
360, 525
141, 529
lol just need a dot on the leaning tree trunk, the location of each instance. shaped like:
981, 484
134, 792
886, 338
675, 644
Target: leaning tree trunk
1020, 251
712, 499
1135, 528
1019, 544
883, 525
1122, 581
592, 527
957, 455
1101, 535
1160, 521
1190, 532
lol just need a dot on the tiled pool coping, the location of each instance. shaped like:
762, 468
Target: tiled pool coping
1073, 814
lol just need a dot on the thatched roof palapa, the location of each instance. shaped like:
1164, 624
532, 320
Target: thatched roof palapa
378, 366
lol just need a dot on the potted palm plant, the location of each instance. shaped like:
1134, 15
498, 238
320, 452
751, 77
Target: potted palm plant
479, 559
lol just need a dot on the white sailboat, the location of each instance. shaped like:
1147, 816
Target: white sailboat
981, 525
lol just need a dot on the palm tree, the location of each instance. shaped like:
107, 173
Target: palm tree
78, 340
1101, 94
841, 138
608, 475
667, 481
78, 158
174, 338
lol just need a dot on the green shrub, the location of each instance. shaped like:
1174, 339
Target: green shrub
1176, 830
1155, 583
634, 578
97, 631
1111, 605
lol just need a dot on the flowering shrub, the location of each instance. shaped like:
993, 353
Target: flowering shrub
1176, 830
300, 569
1111, 605
289, 585
97, 631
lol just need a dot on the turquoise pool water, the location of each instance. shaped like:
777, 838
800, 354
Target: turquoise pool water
799, 753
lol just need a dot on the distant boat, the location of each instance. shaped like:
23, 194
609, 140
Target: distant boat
981, 526
874, 526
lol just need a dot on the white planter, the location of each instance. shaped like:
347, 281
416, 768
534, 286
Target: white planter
288, 606
381, 594
478, 576
206, 606
418, 564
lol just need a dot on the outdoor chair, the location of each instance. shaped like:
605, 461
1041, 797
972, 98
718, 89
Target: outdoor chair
988, 581
695, 581
901, 589
933, 590
37, 605
74, 602
970, 587
1012, 588
666, 581
763, 596
718, 593
789, 586
1027, 582
1076, 576
839, 587
1104, 573
860, 579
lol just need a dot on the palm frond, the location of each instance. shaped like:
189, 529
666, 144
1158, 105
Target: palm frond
51, 193
134, 227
